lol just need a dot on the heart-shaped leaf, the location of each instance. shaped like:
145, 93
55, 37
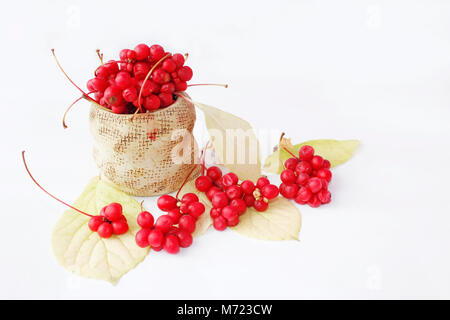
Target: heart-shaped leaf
234, 142
336, 151
82, 251
281, 221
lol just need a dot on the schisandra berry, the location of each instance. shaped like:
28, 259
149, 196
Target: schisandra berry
262, 182
164, 223
123, 80
156, 52
196, 209
288, 176
185, 238
119, 227
306, 153
220, 223
152, 102
229, 212
248, 187
233, 221
169, 65
203, 183
95, 222
189, 198
314, 201
166, 203
270, 191
302, 178
233, 192
324, 196
324, 174
185, 73
303, 167
229, 179
314, 184
215, 212
291, 163
239, 205
145, 219
175, 214
113, 211
219, 200
187, 223
155, 238
141, 238
316, 162
178, 59
171, 244
260, 205
142, 51
326, 164
249, 200
214, 173
105, 230
303, 195
289, 191
166, 99
210, 193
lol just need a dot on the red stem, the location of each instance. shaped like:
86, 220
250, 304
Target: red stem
184, 182
34, 180
208, 84
73, 103
290, 152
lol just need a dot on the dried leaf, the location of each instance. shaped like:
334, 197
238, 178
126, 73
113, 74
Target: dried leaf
281, 221
82, 251
234, 141
204, 221
336, 151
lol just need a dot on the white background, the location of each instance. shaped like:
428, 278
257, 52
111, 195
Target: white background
378, 71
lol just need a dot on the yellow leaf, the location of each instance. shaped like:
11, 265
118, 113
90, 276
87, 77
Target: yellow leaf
281, 221
82, 251
204, 221
336, 151
234, 142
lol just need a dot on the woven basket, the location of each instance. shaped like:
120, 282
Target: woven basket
142, 157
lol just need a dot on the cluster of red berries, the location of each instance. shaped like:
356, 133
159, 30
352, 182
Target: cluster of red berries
305, 179
164, 234
230, 199
118, 84
110, 221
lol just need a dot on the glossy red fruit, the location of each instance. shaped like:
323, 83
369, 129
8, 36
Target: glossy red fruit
248, 187
123, 80
249, 200
314, 184
185, 239
113, 211
229, 179
306, 153
169, 65
291, 163
210, 193
220, 223
142, 51
142, 238
130, 94
303, 167
189, 198
145, 219
156, 52
324, 174
119, 227
171, 244
262, 182
214, 173
185, 73
158, 248
97, 84
160, 76
168, 88
302, 178
239, 205
326, 164
233, 221
260, 205
314, 202
233, 192
203, 183
187, 223
140, 70
219, 200
105, 230
113, 95
178, 59
155, 238
180, 85
303, 195
317, 162
196, 209
164, 223
229, 212
289, 191
215, 212
166, 203
166, 99
95, 222
152, 102
288, 176
175, 214
270, 191
324, 196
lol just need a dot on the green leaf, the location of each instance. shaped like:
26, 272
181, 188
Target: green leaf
281, 221
234, 142
82, 251
336, 151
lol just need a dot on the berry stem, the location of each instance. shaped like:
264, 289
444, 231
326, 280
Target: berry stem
184, 182
34, 180
100, 55
285, 149
73, 103
60, 67
208, 84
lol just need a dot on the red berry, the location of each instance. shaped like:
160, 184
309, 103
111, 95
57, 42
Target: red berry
171, 244
145, 219
97, 84
155, 238
164, 223
119, 109
219, 200
185, 73
189, 198
203, 183
288, 176
248, 187
166, 99
229, 212
180, 85
113, 211
131, 54
187, 223
233, 221
229, 179
175, 214
119, 227
123, 54
152, 102
140, 70
105, 230
324, 174
291, 163
168, 88
317, 162
212, 191
215, 212
214, 173
169, 65
185, 239
303, 167
262, 182
146, 87
233, 192
306, 153
166, 203
95, 222
303, 195
130, 94
142, 238
113, 95
249, 200
270, 191
289, 191
314, 202
102, 72
239, 205
156, 52
220, 223
178, 59
302, 178
260, 205
196, 209
158, 248
324, 196
123, 79
142, 51
314, 184
326, 164
160, 76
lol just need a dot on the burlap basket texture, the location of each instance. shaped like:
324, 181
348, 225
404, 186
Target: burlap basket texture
136, 156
